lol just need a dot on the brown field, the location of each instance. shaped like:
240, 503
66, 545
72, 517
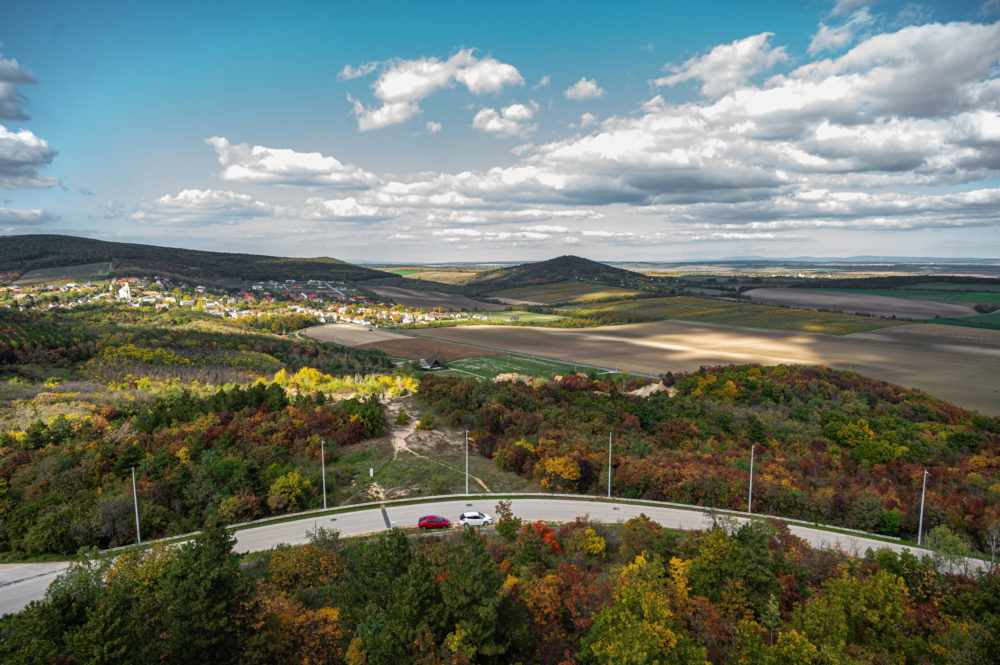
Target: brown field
563, 292
954, 368
430, 299
415, 349
854, 303
348, 334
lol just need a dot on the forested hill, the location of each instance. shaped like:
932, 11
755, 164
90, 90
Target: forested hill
21, 253
562, 269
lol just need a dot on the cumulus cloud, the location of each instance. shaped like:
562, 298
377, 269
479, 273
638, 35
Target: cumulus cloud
829, 38
587, 120
847, 6
728, 66
346, 209
350, 72
584, 89
22, 155
16, 217
402, 84
247, 163
542, 82
433, 127
202, 206
513, 120
12, 74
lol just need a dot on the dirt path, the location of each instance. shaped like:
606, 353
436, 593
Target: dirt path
400, 434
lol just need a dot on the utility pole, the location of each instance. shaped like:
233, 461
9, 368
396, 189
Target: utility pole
135, 500
322, 461
609, 464
466, 461
750, 495
923, 493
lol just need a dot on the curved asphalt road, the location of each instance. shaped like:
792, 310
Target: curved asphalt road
22, 583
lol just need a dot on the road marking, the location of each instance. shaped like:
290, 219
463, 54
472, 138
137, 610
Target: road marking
385, 516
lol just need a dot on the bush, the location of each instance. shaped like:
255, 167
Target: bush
403, 418
426, 421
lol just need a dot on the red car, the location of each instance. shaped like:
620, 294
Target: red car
433, 522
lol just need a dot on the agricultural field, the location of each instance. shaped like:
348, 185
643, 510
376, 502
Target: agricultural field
732, 313
347, 334
952, 286
941, 360
928, 294
64, 274
444, 276
855, 301
494, 365
413, 348
522, 317
565, 293
418, 298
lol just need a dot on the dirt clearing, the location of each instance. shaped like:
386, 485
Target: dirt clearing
348, 334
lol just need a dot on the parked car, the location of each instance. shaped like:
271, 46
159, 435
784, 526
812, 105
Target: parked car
475, 519
433, 522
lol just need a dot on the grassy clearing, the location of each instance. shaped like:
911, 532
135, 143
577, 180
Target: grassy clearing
492, 366
406, 272
64, 274
736, 314
566, 293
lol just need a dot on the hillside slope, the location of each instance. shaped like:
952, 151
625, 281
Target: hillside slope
561, 269
21, 253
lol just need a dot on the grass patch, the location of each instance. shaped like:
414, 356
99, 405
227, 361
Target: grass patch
951, 286
734, 313
406, 272
520, 317
492, 366
982, 321
928, 294
566, 293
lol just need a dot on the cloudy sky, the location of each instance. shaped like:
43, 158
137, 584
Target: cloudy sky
459, 131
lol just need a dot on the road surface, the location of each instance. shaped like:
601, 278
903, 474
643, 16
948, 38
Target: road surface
22, 583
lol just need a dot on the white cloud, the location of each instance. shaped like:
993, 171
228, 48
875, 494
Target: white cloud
829, 38
202, 206
12, 74
404, 83
25, 217
350, 72
728, 66
258, 164
346, 209
542, 82
22, 154
513, 120
433, 127
545, 228
584, 89
847, 6
587, 120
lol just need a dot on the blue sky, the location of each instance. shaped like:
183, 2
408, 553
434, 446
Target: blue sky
466, 131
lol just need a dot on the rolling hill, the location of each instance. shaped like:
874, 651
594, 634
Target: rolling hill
21, 253
561, 269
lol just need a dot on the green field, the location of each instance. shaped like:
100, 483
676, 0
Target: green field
735, 314
928, 294
987, 321
521, 316
566, 293
951, 286
491, 366
406, 272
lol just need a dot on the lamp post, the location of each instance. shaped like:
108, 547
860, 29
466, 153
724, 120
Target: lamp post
750, 494
609, 464
923, 493
322, 461
135, 500
466, 461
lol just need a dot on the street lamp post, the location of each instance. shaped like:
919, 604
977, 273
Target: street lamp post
750, 494
923, 493
322, 461
135, 500
466, 461
609, 464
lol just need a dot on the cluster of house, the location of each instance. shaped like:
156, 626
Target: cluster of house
328, 302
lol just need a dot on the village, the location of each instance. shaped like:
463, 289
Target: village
315, 300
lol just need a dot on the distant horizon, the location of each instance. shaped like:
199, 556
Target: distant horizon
444, 131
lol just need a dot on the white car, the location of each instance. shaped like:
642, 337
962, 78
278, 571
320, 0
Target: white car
475, 519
